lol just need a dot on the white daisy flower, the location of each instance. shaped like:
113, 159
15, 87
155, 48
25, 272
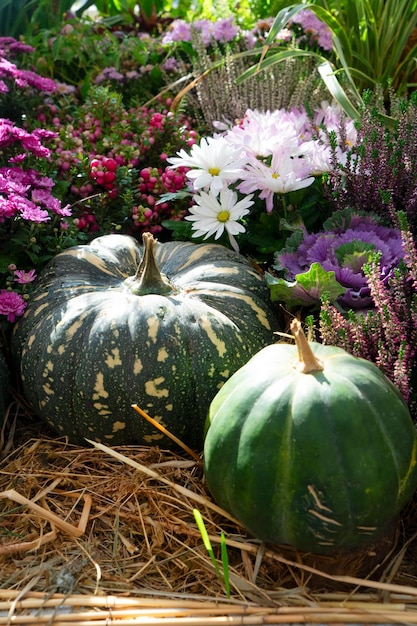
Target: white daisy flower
214, 164
214, 215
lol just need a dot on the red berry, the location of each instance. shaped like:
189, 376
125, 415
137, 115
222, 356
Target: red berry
110, 164
109, 177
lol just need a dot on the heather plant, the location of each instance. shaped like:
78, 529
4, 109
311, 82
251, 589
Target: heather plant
219, 98
380, 172
386, 334
221, 52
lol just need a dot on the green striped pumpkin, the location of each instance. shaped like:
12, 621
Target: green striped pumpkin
162, 325
311, 447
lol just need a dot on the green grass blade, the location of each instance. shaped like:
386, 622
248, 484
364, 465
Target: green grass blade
282, 18
333, 85
206, 540
207, 544
276, 58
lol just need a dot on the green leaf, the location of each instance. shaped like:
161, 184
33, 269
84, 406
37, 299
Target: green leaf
276, 57
306, 289
336, 89
282, 19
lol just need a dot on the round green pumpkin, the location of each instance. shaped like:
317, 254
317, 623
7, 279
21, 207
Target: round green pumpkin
162, 325
312, 447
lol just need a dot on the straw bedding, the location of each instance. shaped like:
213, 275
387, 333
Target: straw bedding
92, 535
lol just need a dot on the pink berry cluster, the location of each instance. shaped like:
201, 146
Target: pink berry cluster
150, 212
103, 173
112, 160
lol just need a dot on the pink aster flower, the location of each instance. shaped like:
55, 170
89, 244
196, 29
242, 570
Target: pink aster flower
12, 304
282, 175
23, 277
27, 78
44, 197
31, 212
7, 209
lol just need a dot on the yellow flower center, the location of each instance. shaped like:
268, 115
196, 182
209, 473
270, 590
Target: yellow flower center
223, 216
213, 171
275, 175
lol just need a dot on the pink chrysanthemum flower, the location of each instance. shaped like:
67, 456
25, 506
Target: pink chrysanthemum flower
12, 304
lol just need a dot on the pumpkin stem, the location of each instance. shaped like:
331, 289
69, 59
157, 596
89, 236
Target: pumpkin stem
148, 278
307, 361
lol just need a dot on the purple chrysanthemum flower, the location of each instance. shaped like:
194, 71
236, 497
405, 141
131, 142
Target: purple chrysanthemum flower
344, 252
109, 73
170, 65
225, 30
11, 45
9, 133
179, 30
7, 209
314, 27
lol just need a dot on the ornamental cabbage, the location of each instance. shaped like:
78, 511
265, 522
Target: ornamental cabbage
332, 261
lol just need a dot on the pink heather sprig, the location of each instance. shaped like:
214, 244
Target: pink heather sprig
389, 307
386, 335
359, 336
398, 326
410, 250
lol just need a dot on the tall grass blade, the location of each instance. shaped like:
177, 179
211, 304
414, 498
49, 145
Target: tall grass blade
207, 544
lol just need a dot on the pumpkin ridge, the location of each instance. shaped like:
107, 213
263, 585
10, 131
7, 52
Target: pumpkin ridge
355, 390
394, 452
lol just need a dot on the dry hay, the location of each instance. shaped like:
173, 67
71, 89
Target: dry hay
110, 534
